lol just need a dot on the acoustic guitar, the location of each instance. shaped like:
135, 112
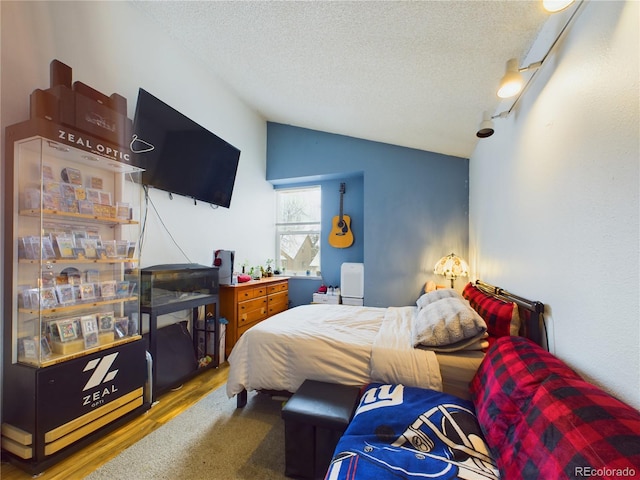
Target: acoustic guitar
341, 235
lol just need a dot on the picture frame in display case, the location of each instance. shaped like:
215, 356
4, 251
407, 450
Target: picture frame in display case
110, 248
108, 289
65, 246
71, 175
121, 327
45, 348
106, 321
90, 331
87, 291
48, 251
67, 329
122, 289
48, 297
85, 207
29, 347
90, 246
93, 195
65, 294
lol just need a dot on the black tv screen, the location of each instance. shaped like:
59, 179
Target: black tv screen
179, 156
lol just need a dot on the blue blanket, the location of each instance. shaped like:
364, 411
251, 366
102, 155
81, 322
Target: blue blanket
415, 433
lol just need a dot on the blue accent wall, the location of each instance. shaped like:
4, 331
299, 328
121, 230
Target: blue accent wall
301, 290
408, 207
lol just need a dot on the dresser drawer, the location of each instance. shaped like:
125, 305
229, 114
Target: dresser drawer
279, 287
251, 317
251, 305
250, 293
252, 311
278, 302
277, 308
281, 297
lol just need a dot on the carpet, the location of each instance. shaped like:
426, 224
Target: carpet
212, 439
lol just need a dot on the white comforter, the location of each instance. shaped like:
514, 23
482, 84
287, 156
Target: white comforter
335, 343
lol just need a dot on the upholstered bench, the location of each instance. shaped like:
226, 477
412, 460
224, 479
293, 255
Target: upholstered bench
315, 418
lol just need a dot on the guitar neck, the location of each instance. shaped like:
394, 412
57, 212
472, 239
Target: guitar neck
342, 190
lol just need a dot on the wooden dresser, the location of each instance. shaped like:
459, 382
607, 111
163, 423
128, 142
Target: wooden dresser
247, 304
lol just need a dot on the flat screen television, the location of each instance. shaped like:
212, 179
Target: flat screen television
180, 156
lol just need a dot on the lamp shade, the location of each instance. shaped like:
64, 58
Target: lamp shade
451, 266
554, 6
512, 81
486, 127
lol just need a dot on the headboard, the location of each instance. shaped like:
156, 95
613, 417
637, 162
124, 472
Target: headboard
531, 312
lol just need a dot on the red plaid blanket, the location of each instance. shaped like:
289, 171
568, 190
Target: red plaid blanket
542, 420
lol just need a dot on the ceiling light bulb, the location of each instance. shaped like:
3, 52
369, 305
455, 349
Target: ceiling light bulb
486, 127
553, 6
512, 82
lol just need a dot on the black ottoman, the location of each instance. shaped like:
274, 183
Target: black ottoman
315, 418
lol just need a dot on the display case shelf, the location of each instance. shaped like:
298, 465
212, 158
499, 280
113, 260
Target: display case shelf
31, 212
76, 307
56, 359
82, 260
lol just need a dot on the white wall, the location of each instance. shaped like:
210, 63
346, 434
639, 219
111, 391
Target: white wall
554, 198
113, 48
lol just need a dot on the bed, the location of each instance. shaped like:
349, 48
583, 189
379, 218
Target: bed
530, 417
354, 345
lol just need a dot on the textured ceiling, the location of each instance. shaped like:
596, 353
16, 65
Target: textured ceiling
412, 73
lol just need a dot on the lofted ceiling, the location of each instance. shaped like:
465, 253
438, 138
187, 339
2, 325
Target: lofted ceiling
413, 73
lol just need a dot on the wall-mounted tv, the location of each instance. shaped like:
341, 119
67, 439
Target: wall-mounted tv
179, 156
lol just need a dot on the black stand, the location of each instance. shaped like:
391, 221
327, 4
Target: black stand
163, 352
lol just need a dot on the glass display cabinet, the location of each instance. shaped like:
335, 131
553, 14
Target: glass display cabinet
74, 362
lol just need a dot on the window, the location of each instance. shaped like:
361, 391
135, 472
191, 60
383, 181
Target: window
298, 214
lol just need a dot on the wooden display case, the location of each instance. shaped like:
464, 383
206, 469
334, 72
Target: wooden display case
74, 364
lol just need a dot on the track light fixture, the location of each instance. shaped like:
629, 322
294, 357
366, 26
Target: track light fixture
553, 6
486, 126
512, 81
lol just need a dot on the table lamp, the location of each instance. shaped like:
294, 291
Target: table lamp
451, 266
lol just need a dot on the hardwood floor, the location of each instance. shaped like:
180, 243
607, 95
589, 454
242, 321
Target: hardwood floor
168, 406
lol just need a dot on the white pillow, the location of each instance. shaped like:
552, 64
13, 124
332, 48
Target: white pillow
446, 321
436, 295
476, 343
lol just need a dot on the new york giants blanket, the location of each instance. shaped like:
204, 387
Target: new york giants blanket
415, 433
